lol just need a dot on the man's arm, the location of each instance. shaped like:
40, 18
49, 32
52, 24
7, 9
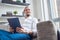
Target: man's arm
23, 30
20, 30
34, 28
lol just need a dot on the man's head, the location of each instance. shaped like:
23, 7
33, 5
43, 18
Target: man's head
27, 11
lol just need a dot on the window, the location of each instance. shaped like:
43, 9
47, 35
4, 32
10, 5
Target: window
53, 12
50, 11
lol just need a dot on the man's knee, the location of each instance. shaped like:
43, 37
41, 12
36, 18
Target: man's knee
3, 32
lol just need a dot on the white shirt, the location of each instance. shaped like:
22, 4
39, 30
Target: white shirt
30, 24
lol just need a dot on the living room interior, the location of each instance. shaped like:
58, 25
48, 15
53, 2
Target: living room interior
46, 12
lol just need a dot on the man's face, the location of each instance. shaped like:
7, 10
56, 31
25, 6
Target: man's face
27, 11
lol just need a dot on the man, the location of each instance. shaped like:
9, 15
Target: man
24, 33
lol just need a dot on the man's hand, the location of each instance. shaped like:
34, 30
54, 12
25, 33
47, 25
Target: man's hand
11, 29
20, 30
30, 32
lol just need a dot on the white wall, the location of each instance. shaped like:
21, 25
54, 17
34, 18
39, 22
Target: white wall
37, 9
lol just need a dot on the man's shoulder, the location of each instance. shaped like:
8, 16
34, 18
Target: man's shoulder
34, 19
31, 17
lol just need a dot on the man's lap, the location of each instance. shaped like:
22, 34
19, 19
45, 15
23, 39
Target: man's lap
3, 32
20, 36
15, 36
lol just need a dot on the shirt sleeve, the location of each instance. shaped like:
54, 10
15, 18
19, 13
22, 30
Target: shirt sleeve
34, 25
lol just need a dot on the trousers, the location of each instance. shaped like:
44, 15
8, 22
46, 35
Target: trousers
5, 35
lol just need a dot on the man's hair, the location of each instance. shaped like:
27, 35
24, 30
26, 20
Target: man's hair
26, 7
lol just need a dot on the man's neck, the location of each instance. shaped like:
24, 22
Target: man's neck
26, 16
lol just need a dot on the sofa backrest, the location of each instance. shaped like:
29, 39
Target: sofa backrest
46, 31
